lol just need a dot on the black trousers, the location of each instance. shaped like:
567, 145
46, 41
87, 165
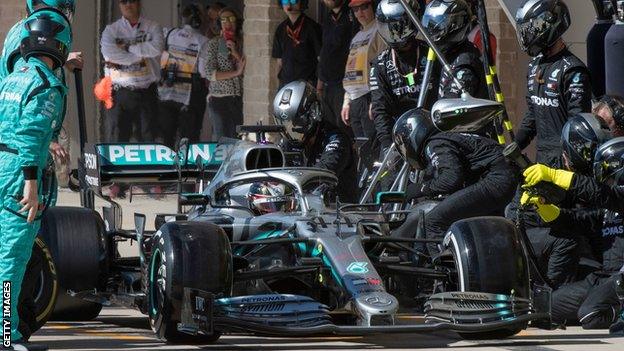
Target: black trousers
225, 113
27, 309
361, 125
593, 302
487, 197
133, 110
557, 253
176, 119
332, 99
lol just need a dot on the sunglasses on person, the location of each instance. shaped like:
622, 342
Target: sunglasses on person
362, 7
128, 1
231, 19
289, 2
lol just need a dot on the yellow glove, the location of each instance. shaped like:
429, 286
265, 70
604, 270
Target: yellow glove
547, 212
540, 173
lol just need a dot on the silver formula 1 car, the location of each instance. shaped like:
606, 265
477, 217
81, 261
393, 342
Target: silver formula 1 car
288, 261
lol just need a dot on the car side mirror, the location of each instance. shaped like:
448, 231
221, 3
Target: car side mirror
465, 114
194, 199
390, 197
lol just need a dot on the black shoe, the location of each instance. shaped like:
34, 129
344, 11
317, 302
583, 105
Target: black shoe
617, 327
21, 345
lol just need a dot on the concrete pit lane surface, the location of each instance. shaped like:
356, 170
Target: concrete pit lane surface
126, 329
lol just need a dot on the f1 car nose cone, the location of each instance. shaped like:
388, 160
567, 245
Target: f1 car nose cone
376, 304
378, 301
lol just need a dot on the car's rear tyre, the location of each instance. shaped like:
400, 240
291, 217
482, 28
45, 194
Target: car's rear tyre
171, 269
489, 258
78, 244
39, 290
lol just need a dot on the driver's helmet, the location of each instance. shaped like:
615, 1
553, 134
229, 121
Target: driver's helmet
540, 23
270, 197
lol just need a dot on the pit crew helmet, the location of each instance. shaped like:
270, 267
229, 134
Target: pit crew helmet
270, 197
540, 23
46, 33
447, 21
580, 137
609, 162
298, 102
66, 7
395, 27
411, 132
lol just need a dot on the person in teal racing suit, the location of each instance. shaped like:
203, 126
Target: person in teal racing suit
11, 48
31, 108
11, 56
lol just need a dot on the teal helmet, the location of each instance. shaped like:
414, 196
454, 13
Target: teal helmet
46, 33
66, 7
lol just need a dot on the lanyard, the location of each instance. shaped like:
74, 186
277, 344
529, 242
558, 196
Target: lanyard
410, 77
295, 34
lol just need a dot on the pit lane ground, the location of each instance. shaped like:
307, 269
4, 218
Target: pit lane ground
126, 329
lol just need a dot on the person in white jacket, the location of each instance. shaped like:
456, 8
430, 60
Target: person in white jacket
182, 89
132, 48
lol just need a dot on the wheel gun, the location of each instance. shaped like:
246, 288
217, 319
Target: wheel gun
549, 192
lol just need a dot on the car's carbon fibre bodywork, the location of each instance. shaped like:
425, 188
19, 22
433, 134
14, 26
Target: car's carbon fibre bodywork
320, 268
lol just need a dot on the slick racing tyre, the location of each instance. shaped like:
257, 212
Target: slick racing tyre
489, 258
186, 255
39, 290
77, 241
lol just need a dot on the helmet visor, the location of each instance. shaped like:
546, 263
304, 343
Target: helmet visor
45, 27
580, 145
436, 22
599, 171
396, 33
271, 204
530, 31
